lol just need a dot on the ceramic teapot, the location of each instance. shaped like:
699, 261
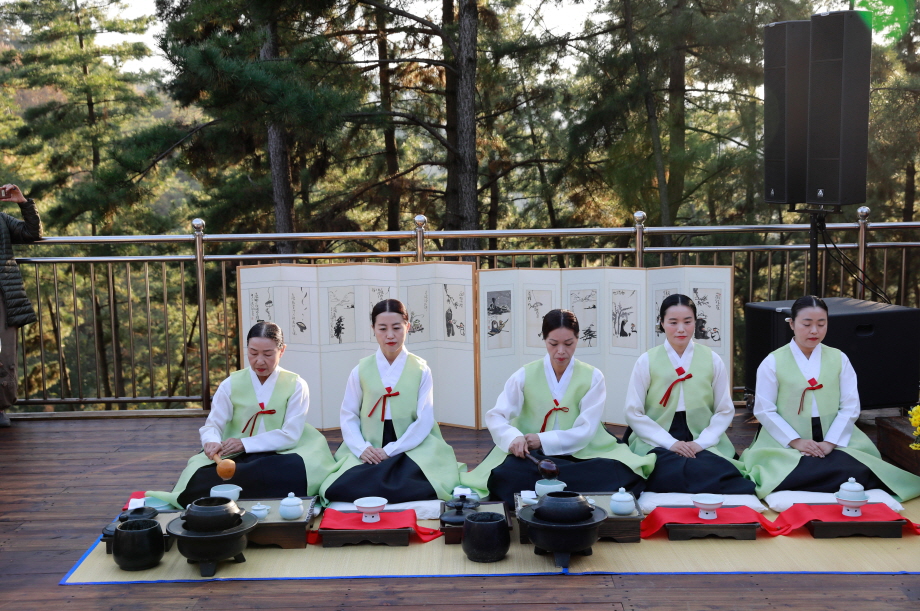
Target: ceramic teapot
622, 503
291, 508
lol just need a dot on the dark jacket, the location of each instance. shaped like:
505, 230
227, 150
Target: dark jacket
19, 310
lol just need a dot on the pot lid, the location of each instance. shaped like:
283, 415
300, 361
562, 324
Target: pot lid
291, 500
621, 495
852, 490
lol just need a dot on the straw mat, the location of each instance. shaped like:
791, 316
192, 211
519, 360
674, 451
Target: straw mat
797, 553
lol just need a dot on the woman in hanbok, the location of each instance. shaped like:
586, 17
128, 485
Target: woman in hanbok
678, 407
258, 417
808, 403
392, 446
552, 408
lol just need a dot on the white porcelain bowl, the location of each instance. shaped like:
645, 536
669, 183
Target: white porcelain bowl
851, 507
545, 486
707, 504
228, 491
371, 506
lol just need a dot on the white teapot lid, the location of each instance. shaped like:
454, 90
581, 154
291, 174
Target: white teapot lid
621, 495
291, 500
851, 489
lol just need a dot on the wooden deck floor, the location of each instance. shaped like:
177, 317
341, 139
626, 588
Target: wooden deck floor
62, 480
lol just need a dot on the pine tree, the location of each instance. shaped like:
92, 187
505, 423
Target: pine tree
79, 128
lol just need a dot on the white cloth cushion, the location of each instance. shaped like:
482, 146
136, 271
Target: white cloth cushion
784, 499
424, 510
650, 500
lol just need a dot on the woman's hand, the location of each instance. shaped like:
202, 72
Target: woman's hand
808, 447
533, 441
212, 449
13, 194
518, 446
687, 449
373, 456
827, 447
231, 446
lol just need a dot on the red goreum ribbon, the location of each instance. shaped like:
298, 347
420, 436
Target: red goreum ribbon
549, 413
252, 421
667, 395
383, 409
814, 386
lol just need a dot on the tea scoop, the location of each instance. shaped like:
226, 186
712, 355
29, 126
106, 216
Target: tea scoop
226, 468
548, 468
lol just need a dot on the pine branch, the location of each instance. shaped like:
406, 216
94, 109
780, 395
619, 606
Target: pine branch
513, 167
166, 153
395, 11
413, 120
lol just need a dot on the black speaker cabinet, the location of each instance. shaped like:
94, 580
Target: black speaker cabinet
786, 47
838, 107
882, 342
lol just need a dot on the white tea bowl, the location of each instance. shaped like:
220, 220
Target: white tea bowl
370, 506
228, 491
707, 504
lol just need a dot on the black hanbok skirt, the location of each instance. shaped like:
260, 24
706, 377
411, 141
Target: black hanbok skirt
708, 472
814, 474
262, 475
580, 475
397, 479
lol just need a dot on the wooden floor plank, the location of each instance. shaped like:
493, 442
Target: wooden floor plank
53, 506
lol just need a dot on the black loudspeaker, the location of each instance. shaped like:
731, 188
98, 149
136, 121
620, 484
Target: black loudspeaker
785, 78
882, 342
838, 107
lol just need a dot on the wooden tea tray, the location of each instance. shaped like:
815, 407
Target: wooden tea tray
830, 530
620, 529
388, 536
454, 534
685, 532
275, 530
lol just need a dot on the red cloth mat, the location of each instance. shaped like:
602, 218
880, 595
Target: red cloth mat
134, 495
800, 514
338, 520
660, 516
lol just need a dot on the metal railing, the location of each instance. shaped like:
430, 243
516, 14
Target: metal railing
112, 332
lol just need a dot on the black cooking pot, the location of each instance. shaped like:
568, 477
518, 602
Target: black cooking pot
209, 548
211, 514
563, 507
138, 544
562, 537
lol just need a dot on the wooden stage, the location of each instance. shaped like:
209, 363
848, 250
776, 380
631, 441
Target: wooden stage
62, 480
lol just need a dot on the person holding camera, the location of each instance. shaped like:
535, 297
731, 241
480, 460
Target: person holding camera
15, 308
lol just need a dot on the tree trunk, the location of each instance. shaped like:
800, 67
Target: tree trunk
279, 157
117, 366
467, 166
652, 113
452, 189
391, 190
56, 330
90, 104
99, 342
677, 136
910, 192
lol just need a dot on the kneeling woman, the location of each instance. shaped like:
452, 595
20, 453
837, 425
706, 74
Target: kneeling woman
679, 406
261, 412
392, 445
808, 403
553, 408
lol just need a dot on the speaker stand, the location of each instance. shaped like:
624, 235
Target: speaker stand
818, 224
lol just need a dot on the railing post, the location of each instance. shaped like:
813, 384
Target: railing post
198, 226
640, 218
420, 222
863, 214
